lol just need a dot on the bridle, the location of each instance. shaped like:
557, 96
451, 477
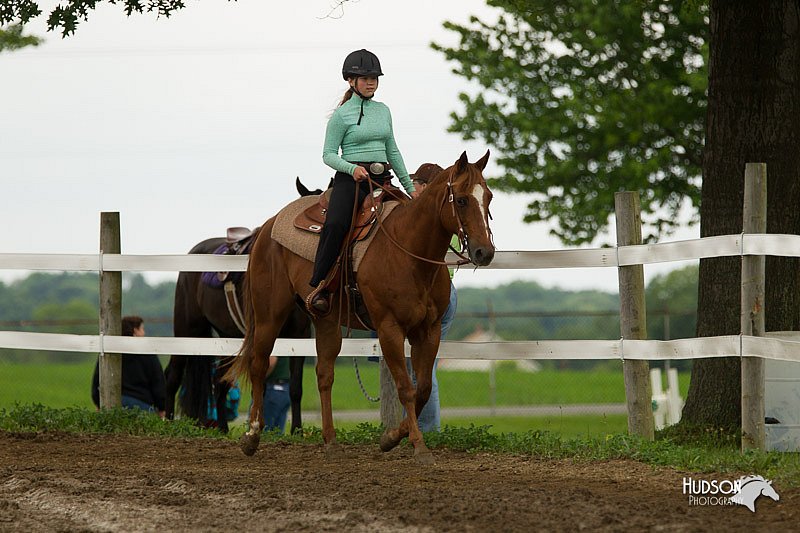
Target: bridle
449, 197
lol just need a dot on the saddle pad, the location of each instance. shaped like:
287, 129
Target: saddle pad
304, 243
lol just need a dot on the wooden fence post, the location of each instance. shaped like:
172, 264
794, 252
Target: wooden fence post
110, 313
633, 317
754, 220
391, 409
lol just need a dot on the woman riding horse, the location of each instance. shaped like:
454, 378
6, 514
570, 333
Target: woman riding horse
405, 287
362, 128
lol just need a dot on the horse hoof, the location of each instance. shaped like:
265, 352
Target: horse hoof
423, 457
388, 441
334, 451
249, 443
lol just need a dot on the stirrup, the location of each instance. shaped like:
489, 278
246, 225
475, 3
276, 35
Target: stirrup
318, 302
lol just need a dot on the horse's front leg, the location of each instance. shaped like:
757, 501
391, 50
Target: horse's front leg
174, 375
392, 344
423, 357
329, 344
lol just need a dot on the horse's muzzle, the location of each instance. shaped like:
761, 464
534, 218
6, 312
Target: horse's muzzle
482, 255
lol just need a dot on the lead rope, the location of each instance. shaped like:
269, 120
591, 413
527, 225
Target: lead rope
464, 260
355, 362
361, 384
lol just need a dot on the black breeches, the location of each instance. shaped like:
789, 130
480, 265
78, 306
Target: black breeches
337, 221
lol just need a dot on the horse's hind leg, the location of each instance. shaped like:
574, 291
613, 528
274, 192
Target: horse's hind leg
268, 319
221, 389
296, 391
264, 340
174, 375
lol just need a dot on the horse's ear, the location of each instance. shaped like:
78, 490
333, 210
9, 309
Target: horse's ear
301, 189
461, 164
481, 163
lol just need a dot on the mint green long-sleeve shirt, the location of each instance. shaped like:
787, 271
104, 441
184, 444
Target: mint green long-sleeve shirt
372, 140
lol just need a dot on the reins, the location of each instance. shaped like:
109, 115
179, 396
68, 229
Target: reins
346, 246
461, 234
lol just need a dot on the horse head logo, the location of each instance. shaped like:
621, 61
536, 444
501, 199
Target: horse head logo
751, 487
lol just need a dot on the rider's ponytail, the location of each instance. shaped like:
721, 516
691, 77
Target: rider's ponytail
347, 96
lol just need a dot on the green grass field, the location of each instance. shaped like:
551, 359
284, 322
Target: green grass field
568, 427
67, 385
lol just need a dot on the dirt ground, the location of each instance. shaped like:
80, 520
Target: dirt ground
65, 482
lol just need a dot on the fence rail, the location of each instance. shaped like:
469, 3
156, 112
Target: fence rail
743, 244
780, 345
783, 346
629, 256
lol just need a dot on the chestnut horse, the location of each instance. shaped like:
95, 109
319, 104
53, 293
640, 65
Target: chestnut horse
405, 287
201, 310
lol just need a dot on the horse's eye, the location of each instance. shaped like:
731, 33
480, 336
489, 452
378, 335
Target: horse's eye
461, 202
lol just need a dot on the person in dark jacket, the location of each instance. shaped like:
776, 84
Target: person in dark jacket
143, 383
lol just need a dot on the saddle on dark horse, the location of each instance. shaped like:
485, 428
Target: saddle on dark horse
238, 241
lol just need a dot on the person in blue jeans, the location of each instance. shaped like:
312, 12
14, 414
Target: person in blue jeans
430, 417
276, 394
143, 384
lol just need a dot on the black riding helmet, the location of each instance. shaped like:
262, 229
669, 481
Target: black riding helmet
362, 63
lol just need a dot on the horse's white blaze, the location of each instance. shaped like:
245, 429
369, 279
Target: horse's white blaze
477, 192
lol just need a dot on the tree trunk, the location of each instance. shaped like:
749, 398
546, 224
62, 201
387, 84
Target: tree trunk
753, 116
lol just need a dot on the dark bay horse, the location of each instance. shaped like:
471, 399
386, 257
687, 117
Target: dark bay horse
405, 287
201, 310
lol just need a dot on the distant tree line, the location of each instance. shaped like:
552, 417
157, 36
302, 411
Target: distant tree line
69, 303
521, 310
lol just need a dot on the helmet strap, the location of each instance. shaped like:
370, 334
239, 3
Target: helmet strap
354, 87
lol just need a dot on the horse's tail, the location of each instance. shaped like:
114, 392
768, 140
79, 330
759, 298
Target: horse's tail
241, 363
197, 388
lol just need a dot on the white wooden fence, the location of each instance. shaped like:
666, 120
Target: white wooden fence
778, 345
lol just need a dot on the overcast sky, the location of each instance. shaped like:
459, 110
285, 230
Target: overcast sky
201, 121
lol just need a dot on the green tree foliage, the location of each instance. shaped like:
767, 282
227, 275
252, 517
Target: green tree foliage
40, 288
76, 316
672, 308
586, 98
527, 311
67, 14
674, 293
68, 303
11, 38
150, 301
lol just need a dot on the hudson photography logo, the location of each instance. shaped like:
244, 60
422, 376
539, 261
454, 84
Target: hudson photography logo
743, 491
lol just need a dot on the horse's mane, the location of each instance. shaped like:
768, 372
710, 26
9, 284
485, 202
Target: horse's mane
473, 175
